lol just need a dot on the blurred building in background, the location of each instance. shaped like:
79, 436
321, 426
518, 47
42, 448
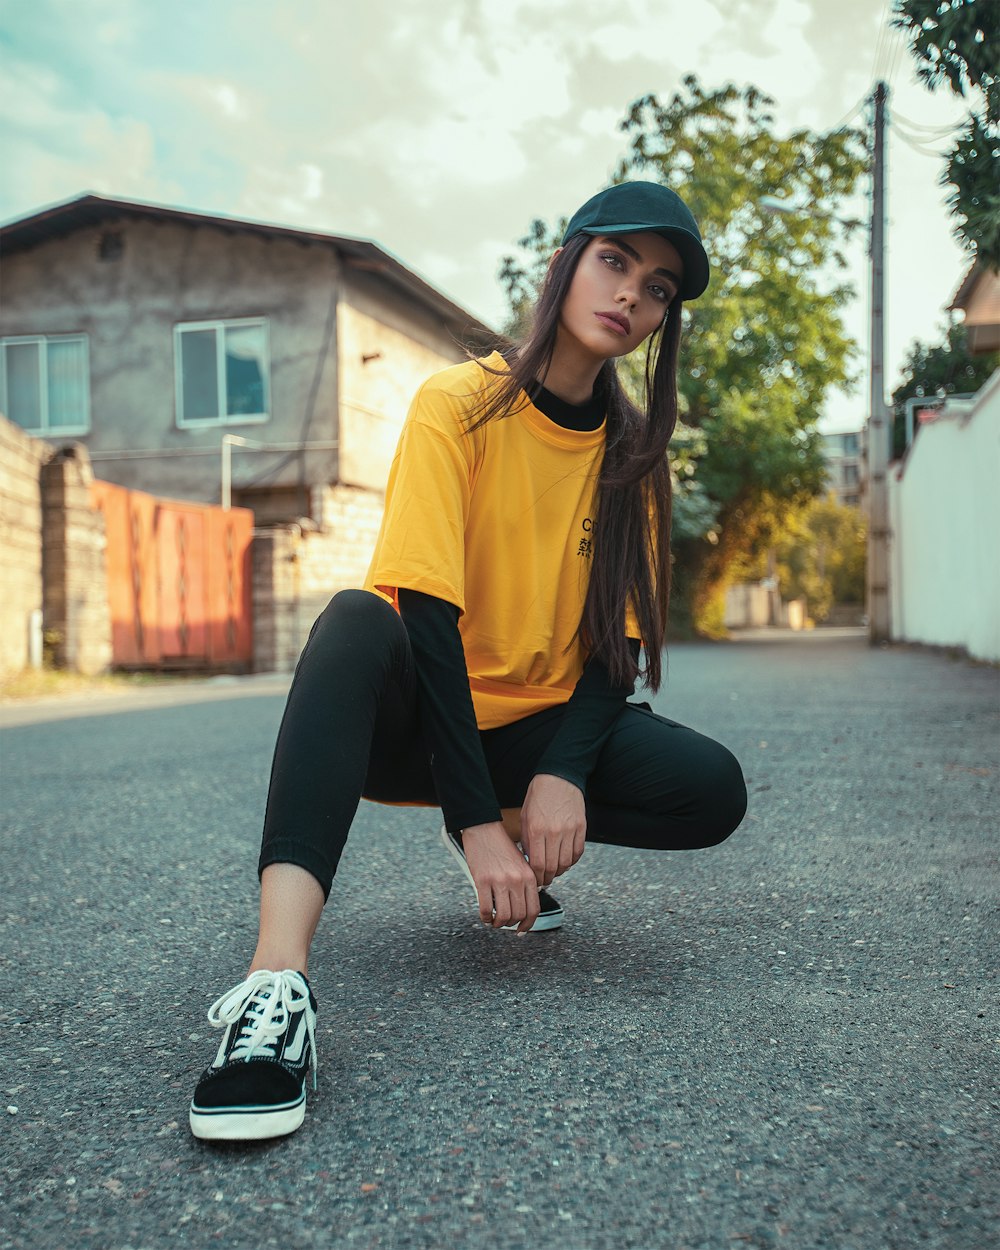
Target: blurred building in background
979, 299
844, 458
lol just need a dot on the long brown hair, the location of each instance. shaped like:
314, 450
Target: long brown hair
631, 536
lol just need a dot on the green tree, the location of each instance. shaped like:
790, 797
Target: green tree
765, 343
820, 555
938, 371
958, 42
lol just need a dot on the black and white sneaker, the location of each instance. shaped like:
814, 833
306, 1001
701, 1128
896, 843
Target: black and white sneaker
256, 1085
550, 915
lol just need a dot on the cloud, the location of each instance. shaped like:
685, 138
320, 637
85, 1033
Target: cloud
229, 100
57, 150
745, 26
439, 129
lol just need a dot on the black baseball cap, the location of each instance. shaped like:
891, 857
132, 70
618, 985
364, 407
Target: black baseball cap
631, 207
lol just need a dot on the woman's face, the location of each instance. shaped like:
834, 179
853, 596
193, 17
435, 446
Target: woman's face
620, 292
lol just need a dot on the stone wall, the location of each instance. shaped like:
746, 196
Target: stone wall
75, 604
21, 460
53, 584
297, 570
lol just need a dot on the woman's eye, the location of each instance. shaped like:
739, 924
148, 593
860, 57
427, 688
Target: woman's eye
613, 259
662, 294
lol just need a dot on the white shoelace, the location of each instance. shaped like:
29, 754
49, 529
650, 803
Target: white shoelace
270, 999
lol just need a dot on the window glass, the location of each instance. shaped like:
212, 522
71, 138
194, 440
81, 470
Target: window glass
199, 376
24, 400
245, 359
67, 378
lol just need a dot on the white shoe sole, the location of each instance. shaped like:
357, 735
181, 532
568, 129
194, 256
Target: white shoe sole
543, 923
251, 1124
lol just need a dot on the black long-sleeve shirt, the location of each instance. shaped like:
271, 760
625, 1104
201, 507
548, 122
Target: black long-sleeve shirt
461, 777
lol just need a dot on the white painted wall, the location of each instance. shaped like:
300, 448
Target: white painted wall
944, 509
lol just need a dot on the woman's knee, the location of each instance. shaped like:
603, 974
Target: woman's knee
355, 625
360, 608
357, 614
724, 796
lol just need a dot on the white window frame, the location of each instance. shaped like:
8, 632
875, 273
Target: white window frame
240, 418
45, 430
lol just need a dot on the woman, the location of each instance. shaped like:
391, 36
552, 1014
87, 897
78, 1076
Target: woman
485, 667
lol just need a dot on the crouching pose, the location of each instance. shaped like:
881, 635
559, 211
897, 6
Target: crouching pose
486, 665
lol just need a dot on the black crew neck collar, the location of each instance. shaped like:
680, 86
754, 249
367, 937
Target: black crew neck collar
586, 416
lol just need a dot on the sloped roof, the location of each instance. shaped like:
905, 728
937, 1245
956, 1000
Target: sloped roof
966, 287
92, 210
977, 273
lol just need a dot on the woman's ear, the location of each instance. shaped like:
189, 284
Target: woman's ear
552, 260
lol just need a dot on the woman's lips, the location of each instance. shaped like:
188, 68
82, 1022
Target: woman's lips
620, 325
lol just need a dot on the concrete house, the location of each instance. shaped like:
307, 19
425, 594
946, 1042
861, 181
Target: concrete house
147, 334
150, 334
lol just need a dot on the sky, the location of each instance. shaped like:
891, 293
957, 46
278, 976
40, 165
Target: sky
441, 128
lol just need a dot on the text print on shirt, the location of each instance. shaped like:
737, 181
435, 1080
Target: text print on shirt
586, 544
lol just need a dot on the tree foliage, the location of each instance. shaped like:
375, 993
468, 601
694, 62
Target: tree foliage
937, 371
765, 342
820, 555
957, 42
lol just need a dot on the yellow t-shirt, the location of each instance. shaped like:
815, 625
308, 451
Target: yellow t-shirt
499, 523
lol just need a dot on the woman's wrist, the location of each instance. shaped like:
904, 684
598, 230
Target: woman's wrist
562, 775
492, 827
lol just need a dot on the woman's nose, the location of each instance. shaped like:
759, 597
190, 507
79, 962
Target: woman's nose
627, 294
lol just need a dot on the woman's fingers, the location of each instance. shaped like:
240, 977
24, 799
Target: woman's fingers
531, 910
517, 906
550, 855
567, 855
553, 825
506, 885
485, 903
503, 909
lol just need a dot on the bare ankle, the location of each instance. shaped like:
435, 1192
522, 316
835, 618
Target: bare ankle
277, 960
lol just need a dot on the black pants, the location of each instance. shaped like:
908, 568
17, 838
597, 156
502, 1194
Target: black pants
351, 730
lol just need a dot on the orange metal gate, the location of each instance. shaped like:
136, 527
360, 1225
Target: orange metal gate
178, 581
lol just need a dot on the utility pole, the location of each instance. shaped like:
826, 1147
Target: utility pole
879, 429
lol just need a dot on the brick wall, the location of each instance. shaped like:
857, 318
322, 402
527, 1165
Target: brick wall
21, 459
274, 555
75, 603
297, 570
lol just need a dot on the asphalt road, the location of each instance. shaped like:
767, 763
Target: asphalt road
788, 1041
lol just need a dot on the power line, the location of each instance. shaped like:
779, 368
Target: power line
881, 43
930, 131
849, 117
897, 51
912, 134
917, 146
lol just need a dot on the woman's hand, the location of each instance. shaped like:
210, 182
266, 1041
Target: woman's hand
553, 826
508, 892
